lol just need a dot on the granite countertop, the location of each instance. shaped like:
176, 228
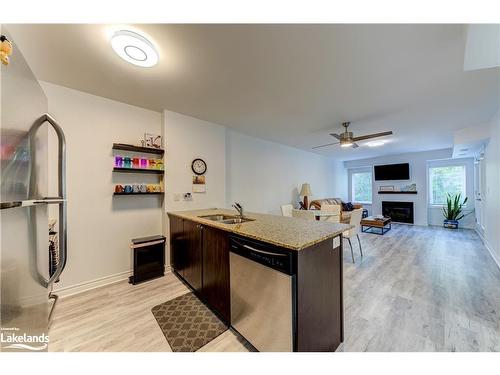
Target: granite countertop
288, 232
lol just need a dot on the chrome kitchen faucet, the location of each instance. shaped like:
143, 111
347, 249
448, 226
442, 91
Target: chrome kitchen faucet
238, 207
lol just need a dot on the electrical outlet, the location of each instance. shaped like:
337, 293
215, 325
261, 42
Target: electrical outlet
188, 197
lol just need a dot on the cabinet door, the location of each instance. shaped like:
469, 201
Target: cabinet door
215, 290
192, 254
177, 244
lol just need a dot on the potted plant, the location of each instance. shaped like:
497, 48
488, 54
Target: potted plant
453, 210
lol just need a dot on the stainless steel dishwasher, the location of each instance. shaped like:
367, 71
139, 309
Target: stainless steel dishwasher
262, 295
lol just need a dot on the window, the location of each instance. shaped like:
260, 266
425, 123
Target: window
444, 181
361, 187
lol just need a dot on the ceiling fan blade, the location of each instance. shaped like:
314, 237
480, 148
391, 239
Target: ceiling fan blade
369, 136
336, 136
355, 145
328, 144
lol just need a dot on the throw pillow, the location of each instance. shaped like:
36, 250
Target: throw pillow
347, 206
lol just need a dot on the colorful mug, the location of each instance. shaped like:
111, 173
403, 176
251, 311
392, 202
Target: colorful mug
136, 163
118, 161
144, 163
135, 188
128, 189
118, 189
143, 188
127, 162
150, 188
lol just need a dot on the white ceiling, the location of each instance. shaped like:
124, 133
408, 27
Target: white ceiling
291, 84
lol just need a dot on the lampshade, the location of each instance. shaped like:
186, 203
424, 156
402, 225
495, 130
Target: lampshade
305, 190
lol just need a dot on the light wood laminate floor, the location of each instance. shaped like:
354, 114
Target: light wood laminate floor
416, 289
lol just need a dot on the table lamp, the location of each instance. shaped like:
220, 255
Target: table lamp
305, 191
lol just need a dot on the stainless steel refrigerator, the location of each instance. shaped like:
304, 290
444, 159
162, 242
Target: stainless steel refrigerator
26, 283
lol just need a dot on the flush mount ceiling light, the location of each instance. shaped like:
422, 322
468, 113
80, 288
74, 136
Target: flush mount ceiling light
375, 143
134, 48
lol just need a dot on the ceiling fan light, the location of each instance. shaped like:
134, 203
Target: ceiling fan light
346, 143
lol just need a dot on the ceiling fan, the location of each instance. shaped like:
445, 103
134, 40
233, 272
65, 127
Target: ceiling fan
346, 139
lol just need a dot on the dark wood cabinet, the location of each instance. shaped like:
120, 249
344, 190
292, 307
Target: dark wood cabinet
177, 244
215, 289
192, 257
200, 255
320, 312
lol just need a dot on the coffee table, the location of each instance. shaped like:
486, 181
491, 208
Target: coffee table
376, 226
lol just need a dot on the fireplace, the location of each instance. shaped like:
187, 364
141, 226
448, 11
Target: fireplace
400, 212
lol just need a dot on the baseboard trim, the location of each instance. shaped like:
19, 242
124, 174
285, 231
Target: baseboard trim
487, 246
97, 283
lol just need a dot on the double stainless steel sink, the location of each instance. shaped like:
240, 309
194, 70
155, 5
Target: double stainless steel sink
226, 219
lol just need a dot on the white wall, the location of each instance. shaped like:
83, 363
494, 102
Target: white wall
100, 226
263, 175
339, 180
188, 138
418, 175
491, 195
482, 48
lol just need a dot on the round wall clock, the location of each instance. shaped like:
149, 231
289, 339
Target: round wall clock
199, 166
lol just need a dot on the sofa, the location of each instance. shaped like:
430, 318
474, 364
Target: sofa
345, 216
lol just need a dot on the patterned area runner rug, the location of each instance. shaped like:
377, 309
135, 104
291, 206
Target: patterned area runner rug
187, 323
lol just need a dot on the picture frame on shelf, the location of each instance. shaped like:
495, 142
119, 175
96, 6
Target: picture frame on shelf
409, 188
152, 140
386, 188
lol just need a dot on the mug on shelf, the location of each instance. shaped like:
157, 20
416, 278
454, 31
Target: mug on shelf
152, 163
118, 189
135, 188
144, 163
118, 161
150, 188
143, 188
128, 189
127, 162
159, 164
136, 163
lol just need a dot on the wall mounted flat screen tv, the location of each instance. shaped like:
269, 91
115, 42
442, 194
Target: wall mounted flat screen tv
392, 172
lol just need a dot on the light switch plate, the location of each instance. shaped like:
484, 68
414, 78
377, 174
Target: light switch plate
177, 197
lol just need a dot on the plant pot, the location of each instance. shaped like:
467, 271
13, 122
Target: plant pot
450, 224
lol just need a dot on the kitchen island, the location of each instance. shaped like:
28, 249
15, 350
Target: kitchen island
238, 269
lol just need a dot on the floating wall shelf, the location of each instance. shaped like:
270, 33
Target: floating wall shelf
132, 148
397, 192
154, 193
138, 170
141, 150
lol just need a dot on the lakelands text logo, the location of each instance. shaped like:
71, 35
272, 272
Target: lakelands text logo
10, 338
